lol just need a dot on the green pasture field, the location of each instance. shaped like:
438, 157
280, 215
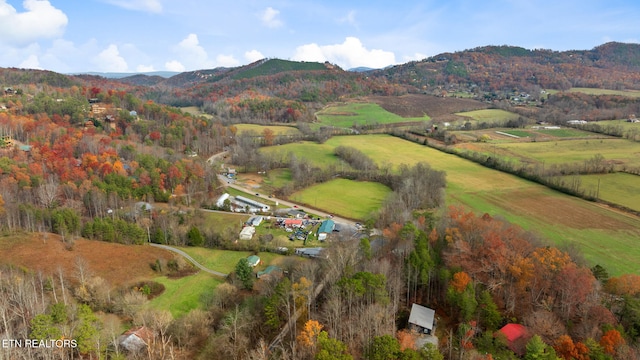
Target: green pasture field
184, 294
617, 188
277, 129
275, 179
606, 237
348, 198
489, 115
519, 133
621, 123
570, 151
220, 220
347, 115
318, 154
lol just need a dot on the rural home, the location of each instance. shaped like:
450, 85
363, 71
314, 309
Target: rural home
271, 270
325, 229
517, 337
253, 260
247, 233
422, 319
292, 223
136, 339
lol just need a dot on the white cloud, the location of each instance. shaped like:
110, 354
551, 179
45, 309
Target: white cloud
253, 55
350, 54
174, 65
145, 68
31, 62
153, 6
270, 18
350, 19
191, 54
414, 57
226, 60
109, 60
40, 20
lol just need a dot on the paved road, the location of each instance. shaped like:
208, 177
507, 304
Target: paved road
192, 260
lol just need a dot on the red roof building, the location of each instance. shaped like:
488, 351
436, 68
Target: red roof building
517, 337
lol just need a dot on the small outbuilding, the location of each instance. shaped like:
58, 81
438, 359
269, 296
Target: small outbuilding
247, 233
422, 319
271, 270
136, 339
253, 260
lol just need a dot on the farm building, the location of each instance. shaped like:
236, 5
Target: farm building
255, 220
247, 232
242, 204
325, 229
221, 200
422, 319
136, 339
271, 270
253, 260
311, 252
576, 122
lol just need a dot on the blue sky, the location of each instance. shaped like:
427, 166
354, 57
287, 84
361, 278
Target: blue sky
179, 35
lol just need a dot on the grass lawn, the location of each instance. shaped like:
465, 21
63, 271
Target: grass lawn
275, 179
618, 188
225, 261
277, 130
184, 294
489, 115
350, 114
348, 198
623, 124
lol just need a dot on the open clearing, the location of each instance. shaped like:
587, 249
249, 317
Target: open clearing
415, 105
347, 198
619, 152
259, 129
606, 237
184, 294
489, 115
117, 264
361, 114
617, 188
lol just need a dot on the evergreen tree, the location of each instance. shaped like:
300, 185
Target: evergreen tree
245, 273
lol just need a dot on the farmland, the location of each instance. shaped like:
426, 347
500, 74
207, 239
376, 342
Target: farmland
361, 114
259, 129
184, 294
348, 198
561, 218
617, 188
489, 115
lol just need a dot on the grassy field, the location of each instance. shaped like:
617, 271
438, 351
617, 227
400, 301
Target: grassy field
621, 123
594, 91
489, 115
194, 110
350, 114
277, 130
318, 154
569, 151
565, 132
563, 219
618, 188
184, 294
348, 198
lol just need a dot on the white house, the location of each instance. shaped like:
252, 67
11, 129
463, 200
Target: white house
247, 232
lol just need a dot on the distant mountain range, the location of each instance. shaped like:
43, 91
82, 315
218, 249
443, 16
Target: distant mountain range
118, 75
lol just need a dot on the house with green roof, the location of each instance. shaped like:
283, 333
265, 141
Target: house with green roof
253, 260
270, 270
326, 227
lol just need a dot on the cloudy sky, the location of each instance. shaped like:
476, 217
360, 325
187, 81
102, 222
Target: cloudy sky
178, 35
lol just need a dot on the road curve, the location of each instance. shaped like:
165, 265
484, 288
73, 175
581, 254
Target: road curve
191, 260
